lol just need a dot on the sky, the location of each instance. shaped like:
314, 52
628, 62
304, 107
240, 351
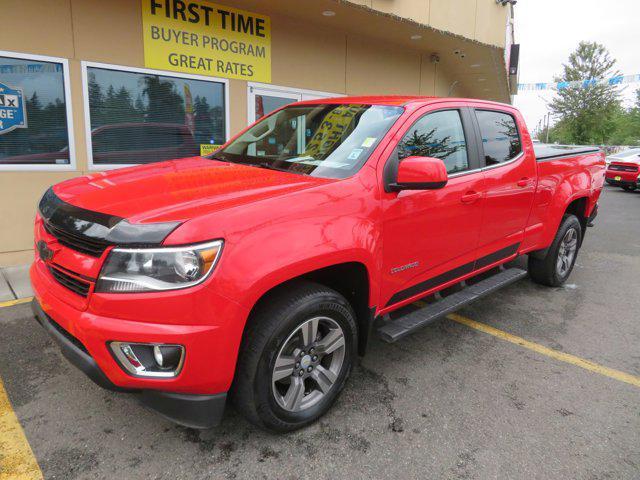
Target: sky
549, 30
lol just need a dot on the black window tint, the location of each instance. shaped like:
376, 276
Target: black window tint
33, 113
500, 137
155, 117
439, 135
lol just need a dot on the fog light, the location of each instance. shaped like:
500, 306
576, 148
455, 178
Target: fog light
149, 359
167, 356
157, 354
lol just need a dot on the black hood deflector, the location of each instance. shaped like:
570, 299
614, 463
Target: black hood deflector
101, 227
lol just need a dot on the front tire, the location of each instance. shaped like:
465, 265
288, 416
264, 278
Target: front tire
297, 353
628, 188
556, 266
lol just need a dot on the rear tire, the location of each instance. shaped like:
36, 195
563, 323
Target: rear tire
297, 352
556, 266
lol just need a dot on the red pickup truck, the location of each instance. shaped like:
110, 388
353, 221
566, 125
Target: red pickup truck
261, 271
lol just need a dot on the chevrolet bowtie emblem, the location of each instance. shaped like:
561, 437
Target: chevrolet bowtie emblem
44, 251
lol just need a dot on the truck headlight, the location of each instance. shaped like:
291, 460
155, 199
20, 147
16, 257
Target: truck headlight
131, 270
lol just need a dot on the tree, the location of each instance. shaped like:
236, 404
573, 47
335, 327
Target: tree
203, 120
96, 101
165, 103
587, 112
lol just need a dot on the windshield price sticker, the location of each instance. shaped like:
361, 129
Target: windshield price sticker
205, 38
12, 109
368, 142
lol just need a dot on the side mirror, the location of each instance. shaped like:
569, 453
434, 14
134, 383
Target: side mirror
420, 173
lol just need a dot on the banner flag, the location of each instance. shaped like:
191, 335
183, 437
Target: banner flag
617, 80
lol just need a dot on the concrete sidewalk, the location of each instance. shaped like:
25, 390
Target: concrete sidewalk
14, 283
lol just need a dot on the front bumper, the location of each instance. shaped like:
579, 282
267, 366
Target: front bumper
208, 325
190, 410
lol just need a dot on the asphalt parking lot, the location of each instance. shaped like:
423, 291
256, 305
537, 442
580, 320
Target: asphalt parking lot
449, 402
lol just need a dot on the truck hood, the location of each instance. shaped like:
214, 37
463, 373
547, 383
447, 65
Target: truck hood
178, 190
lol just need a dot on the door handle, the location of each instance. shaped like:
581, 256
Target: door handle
470, 197
523, 182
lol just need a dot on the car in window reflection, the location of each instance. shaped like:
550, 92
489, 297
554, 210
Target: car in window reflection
125, 143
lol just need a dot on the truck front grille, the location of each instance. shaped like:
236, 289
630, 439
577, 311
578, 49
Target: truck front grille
82, 244
74, 284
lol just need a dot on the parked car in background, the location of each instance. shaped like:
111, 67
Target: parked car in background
261, 271
623, 169
125, 143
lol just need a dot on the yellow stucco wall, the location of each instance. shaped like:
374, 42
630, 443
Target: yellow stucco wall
303, 55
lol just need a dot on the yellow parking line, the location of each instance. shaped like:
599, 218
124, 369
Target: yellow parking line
11, 303
17, 461
549, 352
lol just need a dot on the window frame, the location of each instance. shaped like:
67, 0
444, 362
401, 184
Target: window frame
71, 166
85, 65
483, 159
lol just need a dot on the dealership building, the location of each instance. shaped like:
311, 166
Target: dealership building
91, 85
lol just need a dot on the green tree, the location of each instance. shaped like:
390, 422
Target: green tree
165, 103
96, 101
587, 113
203, 120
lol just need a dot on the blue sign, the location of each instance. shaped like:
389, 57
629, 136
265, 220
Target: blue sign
13, 113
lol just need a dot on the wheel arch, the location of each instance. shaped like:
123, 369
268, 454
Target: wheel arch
350, 279
578, 207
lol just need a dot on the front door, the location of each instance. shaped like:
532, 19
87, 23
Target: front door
431, 236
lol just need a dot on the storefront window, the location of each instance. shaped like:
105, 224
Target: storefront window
33, 113
140, 117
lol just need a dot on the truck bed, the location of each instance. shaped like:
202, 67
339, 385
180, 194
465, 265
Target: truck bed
546, 152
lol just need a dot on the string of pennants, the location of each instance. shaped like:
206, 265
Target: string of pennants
617, 80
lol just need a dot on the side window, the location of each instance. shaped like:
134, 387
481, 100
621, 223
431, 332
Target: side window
500, 137
439, 135
34, 113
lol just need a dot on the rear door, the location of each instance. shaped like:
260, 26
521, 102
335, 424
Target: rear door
509, 182
430, 236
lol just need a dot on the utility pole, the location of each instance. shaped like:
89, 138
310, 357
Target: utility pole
548, 117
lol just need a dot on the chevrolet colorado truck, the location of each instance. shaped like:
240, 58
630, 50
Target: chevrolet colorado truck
260, 272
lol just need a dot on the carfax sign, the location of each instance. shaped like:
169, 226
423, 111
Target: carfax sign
205, 38
12, 109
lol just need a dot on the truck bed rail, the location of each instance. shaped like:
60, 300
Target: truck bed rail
545, 152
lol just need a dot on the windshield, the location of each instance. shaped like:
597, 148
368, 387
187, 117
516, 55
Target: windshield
328, 140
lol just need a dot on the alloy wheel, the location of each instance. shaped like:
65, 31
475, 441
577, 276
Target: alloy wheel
567, 252
308, 364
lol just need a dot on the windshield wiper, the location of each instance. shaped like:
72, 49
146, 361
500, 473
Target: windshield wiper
268, 166
265, 165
